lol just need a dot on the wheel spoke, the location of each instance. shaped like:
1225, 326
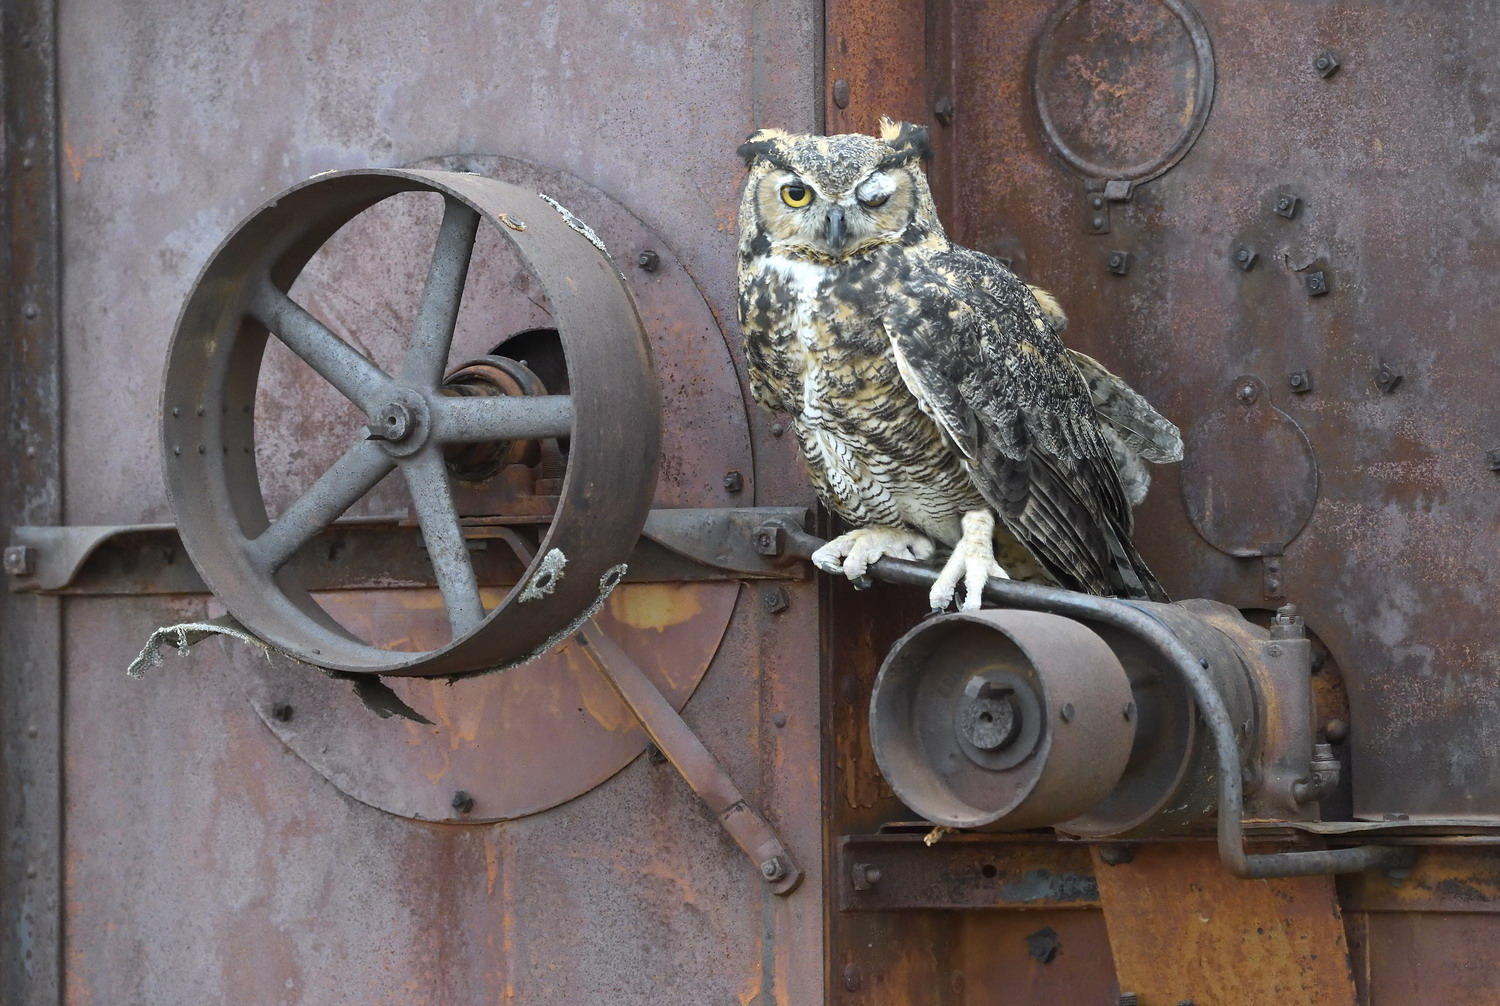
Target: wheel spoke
431, 495
482, 419
428, 355
340, 364
337, 489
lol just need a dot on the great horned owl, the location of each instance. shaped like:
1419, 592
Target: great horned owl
926, 383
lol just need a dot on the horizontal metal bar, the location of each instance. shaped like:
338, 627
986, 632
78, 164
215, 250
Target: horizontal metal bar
688, 545
888, 873
487, 418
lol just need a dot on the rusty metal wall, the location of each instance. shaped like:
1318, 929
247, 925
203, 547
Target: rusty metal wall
1354, 477
203, 860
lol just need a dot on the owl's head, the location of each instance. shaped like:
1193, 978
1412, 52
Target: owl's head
833, 197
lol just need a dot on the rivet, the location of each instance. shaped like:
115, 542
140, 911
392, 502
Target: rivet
1247, 393
841, 93
30, 310
1097, 202
1066, 712
942, 109
1097, 223
777, 429
779, 720
1129, 711
462, 802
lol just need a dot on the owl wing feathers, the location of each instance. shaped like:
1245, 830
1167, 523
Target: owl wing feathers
1141, 428
975, 349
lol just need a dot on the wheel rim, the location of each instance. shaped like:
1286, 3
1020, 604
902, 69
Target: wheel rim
612, 418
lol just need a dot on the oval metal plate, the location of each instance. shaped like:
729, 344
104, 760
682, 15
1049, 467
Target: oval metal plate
1235, 504
1123, 87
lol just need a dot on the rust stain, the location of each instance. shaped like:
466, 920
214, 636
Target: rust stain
655, 605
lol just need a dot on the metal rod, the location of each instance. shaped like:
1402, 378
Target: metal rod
487, 418
1132, 618
432, 335
355, 473
357, 378
432, 498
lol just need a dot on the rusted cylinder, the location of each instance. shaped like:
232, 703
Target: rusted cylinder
1001, 719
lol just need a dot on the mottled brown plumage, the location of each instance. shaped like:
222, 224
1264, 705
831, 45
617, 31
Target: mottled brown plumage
926, 383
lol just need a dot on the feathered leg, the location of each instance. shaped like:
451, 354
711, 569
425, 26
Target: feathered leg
851, 554
972, 561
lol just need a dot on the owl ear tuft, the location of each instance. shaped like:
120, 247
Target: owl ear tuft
761, 143
907, 139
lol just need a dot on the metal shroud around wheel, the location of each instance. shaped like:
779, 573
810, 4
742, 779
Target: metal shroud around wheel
612, 420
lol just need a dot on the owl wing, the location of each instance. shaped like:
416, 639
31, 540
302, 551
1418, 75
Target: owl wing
974, 347
1125, 411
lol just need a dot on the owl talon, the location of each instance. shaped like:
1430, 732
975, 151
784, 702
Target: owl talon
972, 564
851, 554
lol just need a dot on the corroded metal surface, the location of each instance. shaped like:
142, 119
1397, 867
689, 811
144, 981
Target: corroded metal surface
31, 409
1182, 928
626, 894
962, 871
1395, 569
517, 743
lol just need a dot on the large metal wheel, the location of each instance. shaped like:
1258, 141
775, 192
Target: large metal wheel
611, 417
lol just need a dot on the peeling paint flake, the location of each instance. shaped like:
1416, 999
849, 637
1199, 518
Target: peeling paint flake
573, 222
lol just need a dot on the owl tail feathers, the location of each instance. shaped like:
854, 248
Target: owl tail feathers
1134, 579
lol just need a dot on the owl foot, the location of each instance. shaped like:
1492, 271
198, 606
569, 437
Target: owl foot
851, 554
972, 562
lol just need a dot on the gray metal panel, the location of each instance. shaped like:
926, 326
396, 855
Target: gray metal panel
207, 863
30, 671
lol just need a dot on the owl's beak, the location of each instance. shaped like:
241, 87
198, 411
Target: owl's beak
834, 231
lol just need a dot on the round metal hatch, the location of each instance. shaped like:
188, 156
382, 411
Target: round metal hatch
1123, 87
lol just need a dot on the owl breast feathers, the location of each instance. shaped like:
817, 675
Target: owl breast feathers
927, 385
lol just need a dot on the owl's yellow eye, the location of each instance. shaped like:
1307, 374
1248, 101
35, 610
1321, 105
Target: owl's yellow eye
876, 201
796, 196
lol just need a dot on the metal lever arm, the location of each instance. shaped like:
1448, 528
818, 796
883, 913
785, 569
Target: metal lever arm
692, 760
676, 740
1127, 616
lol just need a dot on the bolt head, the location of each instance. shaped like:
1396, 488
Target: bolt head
1246, 393
1317, 283
1493, 458
1325, 64
20, 560
1067, 712
773, 869
734, 482
281, 712
1097, 223
1286, 206
462, 802
1337, 731
775, 599
648, 260
393, 423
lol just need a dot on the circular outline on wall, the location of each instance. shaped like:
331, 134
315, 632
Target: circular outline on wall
1203, 50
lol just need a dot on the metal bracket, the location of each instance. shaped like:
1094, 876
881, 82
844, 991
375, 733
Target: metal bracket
371, 552
963, 871
1098, 196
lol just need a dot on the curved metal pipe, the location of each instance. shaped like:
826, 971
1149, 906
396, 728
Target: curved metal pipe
1130, 617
